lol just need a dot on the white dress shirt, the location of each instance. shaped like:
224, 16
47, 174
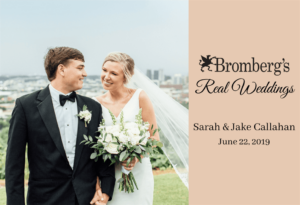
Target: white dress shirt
67, 122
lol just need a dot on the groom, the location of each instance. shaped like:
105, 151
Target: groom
61, 171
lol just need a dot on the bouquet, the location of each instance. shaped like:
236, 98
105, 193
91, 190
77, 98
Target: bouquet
124, 140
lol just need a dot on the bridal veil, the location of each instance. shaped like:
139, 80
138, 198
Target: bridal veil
172, 119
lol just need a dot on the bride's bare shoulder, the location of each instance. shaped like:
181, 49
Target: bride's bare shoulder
101, 98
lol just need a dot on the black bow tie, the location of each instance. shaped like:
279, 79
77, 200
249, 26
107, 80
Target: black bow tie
64, 98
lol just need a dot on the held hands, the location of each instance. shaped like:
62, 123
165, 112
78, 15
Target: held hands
131, 164
99, 198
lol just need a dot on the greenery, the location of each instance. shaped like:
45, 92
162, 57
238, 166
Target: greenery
164, 191
169, 190
4, 127
160, 161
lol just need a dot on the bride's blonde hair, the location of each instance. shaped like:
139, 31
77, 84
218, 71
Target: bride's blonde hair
125, 60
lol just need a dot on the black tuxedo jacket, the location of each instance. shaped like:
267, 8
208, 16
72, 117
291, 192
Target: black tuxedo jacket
52, 181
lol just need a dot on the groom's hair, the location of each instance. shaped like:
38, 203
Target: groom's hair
57, 56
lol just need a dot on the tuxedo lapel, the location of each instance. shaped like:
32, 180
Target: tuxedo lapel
47, 113
82, 130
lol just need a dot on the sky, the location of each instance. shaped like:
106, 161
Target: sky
153, 33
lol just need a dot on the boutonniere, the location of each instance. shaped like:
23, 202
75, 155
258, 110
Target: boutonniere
85, 114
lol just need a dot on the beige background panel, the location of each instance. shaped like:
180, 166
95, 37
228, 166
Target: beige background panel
241, 174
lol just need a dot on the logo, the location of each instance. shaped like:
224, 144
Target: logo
217, 64
206, 62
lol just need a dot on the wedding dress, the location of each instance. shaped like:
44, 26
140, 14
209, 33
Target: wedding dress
141, 171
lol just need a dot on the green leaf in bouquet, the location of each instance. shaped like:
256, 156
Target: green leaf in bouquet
141, 133
141, 139
142, 147
90, 138
93, 155
83, 141
123, 155
160, 150
160, 144
149, 143
132, 148
105, 156
154, 142
138, 150
127, 155
105, 137
120, 180
85, 137
112, 162
116, 157
94, 146
149, 150
139, 157
88, 142
128, 161
100, 144
115, 143
151, 126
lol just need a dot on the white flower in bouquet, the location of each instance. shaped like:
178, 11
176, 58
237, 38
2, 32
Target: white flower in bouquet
110, 145
130, 125
146, 135
123, 138
134, 139
101, 128
121, 147
113, 129
112, 148
108, 138
145, 126
134, 131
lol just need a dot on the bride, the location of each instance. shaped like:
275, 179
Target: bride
117, 70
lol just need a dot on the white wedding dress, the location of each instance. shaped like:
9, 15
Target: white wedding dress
141, 171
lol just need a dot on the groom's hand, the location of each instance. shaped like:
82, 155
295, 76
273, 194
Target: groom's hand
99, 198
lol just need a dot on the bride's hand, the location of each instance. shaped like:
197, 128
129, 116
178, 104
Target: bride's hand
131, 164
99, 198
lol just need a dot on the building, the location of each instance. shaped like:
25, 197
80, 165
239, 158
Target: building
149, 74
161, 76
155, 75
167, 77
177, 79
